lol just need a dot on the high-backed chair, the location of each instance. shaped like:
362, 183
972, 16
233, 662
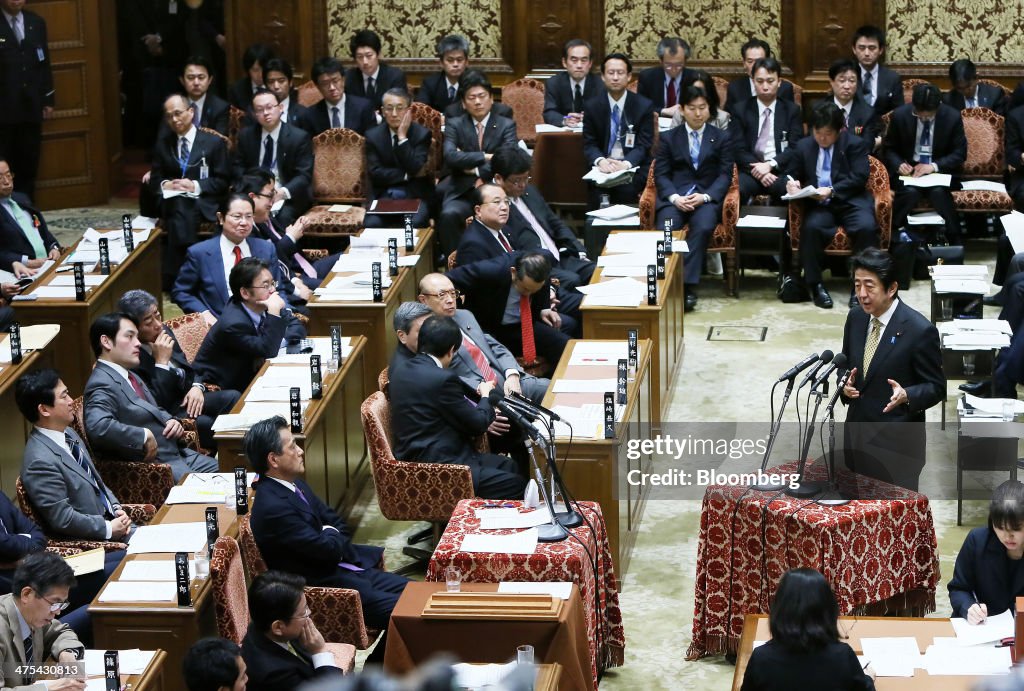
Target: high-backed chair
433, 121
908, 88
526, 98
986, 160
190, 330
308, 95
235, 118
339, 177
558, 169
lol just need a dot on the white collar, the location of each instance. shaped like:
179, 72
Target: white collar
621, 102
437, 361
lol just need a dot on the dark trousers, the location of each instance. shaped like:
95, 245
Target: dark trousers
749, 187
498, 478
1009, 369
378, 593
819, 227
941, 198
19, 145
702, 222
451, 222
623, 194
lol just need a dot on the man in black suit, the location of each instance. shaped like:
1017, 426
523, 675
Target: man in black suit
370, 78
880, 86
337, 109
25, 241
836, 163
662, 85
895, 375
484, 237
618, 132
1014, 157
168, 373
298, 533
433, 421
26, 81
277, 77
193, 166
408, 319
476, 76
282, 149
441, 89
396, 152
240, 93
925, 136
692, 172
968, 93
566, 92
742, 90
211, 111
859, 118
470, 141
212, 664
768, 127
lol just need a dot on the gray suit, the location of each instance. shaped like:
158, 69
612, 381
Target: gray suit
47, 641
67, 500
498, 357
116, 420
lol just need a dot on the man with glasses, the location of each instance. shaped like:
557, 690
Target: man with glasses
662, 85
25, 241
337, 109
396, 152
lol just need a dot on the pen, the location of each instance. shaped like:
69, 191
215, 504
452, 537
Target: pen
594, 359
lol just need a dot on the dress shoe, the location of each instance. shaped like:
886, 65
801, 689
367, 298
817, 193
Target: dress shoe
690, 301
976, 388
991, 301
854, 302
820, 296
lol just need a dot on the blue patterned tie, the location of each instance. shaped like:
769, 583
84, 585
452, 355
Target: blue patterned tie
615, 128
268, 153
76, 453
825, 179
926, 140
695, 149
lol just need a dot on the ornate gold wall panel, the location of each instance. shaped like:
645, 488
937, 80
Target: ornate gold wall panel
942, 31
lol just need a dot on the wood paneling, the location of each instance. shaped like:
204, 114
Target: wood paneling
297, 30
539, 29
817, 33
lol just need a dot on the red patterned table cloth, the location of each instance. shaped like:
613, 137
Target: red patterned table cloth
878, 549
552, 561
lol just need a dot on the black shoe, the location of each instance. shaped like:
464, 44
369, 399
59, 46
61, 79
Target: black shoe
977, 388
991, 301
820, 296
854, 302
690, 301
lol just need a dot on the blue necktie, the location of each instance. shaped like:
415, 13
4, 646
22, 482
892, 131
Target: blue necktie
694, 149
335, 120
76, 453
268, 153
825, 179
926, 140
451, 94
615, 128
184, 152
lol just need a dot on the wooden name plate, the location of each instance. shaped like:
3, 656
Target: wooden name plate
496, 606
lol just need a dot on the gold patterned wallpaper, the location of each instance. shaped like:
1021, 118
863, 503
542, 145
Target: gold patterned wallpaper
942, 31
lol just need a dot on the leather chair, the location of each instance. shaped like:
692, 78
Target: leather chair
339, 177
526, 98
307, 94
986, 160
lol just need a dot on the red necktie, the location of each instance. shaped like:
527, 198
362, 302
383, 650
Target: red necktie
670, 96
479, 358
504, 242
526, 321
238, 254
137, 385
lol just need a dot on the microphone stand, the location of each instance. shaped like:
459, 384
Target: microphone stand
772, 434
553, 531
570, 518
832, 496
807, 489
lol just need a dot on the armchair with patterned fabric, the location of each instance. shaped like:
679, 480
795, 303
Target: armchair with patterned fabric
339, 177
526, 98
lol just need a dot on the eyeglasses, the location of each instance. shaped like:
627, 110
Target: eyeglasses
324, 83
266, 285
264, 110
54, 606
444, 294
237, 218
307, 614
7, 176
260, 194
499, 202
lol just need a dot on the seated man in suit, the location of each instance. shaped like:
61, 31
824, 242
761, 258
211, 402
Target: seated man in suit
836, 163
211, 111
880, 86
859, 119
25, 241
281, 148
277, 77
396, 152
742, 90
692, 173
214, 664
470, 141
370, 78
618, 132
168, 373
432, 420
458, 108
566, 92
194, 165
283, 649
925, 136
662, 85
121, 416
408, 319
254, 58
441, 89
298, 533
252, 327
337, 109
967, 92
767, 127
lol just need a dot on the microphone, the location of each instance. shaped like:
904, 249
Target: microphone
499, 402
524, 401
838, 363
826, 357
798, 368
527, 412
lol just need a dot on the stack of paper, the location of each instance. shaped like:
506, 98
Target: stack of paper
542, 127
1013, 224
168, 537
513, 519
144, 223
930, 180
992, 407
753, 221
975, 340
971, 271
128, 661
560, 589
33, 337
68, 280
956, 660
278, 387
60, 292
139, 591
974, 286
523, 542
583, 385
633, 241
983, 186
994, 628
925, 218
593, 353
238, 422
92, 236
664, 124
180, 494
892, 657
339, 208
470, 676
803, 193
618, 292
584, 422
261, 410
987, 325
616, 211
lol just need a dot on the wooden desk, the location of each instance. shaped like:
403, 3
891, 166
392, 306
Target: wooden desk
71, 350
151, 679
374, 320
337, 464
661, 323
595, 469
14, 429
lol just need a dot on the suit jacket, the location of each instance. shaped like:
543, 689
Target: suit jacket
68, 500
206, 148
888, 90
294, 160
26, 79
201, 284
558, 95
240, 94
675, 172
291, 537
456, 109
477, 243
651, 85
863, 121
498, 357
597, 127
1014, 143
388, 77
834, 667
234, 350
434, 92
357, 114
462, 150
216, 113
19, 536
524, 237
738, 95
13, 243
169, 385
399, 167
988, 96
271, 668
982, 571
949, 143
850, 167
788, 130
47, 641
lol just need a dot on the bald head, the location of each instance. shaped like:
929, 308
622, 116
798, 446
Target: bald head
178, 114
438, 293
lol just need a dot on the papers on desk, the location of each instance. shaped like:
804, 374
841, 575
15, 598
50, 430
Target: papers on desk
630, 241
974, 286
89, 561
619, 177
33, 337
542, 127
197, 495
584, 385
128, 662
986, 660
975, 271
379, 241
892, 656
139, 591
992, 407
261, 410
560, 589
168, 537
339, 208
752, 221
523, 542
61, 292
144, 223
664, 124
91, 236
468, 676
618, 292
926, 218
614, 212
159, 570
975, 340
90, 254
8, 277
514, 519
627, 222
636, 271
983, 186
640, 256
201, 479
68, 280
348, 294
361, 261
321, 347
804, 193
596, 353
362, 279
1013, 224
241, 422
991, 630
278, 390
585, 421
987, 325
929, 180
168, 194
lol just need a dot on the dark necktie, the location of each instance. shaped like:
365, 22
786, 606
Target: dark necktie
184, 151
29, 654
926, 141
614, 135
670, 93
577, 100
371, 88
301, 495
504, 242
18, 28
866, 90
76, 453
451, 94
262, 328
335, 118
268, 153
394, 141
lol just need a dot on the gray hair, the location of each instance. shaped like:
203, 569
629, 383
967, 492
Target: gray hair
263, 439
136, 303
673, 44
407, 313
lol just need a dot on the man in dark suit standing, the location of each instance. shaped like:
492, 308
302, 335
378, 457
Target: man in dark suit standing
566, 92
742, 90
967, 92
925, 136
26, 82
663, 85
338, 108
880, 86
25, 241
895, 375
240, 92
370, 78
210, 110
836, 163
859, 118
396, 152
618, 132
692, 172
441, 89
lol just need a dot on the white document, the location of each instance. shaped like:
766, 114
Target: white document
891, 656
975, 340
804, 193
261, 410
627, 222
237, 422
469, 676
180, 494
600, 178
629, 241
542, 127
139, 591
983, 186
926, 218
385, 233
277, 206
339, 208
929, 180
637, 271
614, 212
992, 629
408, 260
128, 662
973, 286
623, 300
752, 221
584, 385
360, 279
168, 537
68, 280
978, 271
62, 292
560, 589
987, 325
680, 246
360, 262
274, 391
525, 519
523, 542
161, 570
598, 352
994, 407
89, 561
227, 478
90, 254
144, 223
614, 287
167, 194
980, 660
585, 422
353, 294
1013, 224
664, 124
640, 256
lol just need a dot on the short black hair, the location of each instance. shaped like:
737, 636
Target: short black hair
450, 43
42, 571
225, 205
869, 31
327, 65
257, 53
274, 596
210, 664
470, 79
710, 92
34, 389
691, 93
260, 92
532, 265
962, 70
804, 612
263, 439
672, 44
438, 335
769, 64
876, 261
826, 114
244, 273
510, 160
575, 43
278, 65
364, 38
105, 325
926, 97
1006, 510
253, 180
842, 65
198, 61
617, 56
755, 43
478, 192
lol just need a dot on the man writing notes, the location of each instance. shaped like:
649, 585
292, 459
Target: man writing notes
565, 92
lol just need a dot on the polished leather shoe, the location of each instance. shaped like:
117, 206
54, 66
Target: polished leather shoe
991, 301
690, 301
976, 388
854, 302
821, 297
